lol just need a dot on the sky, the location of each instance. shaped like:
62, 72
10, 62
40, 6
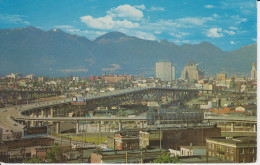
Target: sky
228, 24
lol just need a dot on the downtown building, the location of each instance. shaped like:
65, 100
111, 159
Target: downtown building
165, 70
191, 72
253, 72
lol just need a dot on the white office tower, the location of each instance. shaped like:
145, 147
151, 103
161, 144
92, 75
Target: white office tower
173, 73
164, 70
253, 72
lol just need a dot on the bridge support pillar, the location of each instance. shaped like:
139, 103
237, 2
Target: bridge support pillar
51, 112
119, 125
142, 124
232, 127
208, 122
40, 123
32, 114
51, 115
99, 126
32, 123
28, 123
254, 128
77, 127
57, 128
42, 113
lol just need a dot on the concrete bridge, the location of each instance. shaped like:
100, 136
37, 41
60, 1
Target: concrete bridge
233, 120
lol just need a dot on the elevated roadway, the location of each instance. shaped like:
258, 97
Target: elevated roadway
7, 114
235, 119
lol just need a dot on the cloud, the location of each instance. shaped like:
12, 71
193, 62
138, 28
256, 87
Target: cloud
93, 33
157, 32
237, 19
179, 34
209, 6
243, 6
232, 42
181, 41
107, 22
156, 9
73, 70
215, 15
145, 35
64, 26
115, 67
67, 28
215, 33
229, 32
233, 28
14, 19
254, 39
90, 61
194, 20
126, 11
142, 7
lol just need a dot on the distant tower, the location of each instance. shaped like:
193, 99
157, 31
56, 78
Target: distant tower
191, 72
253, 72
173, 73
164, 70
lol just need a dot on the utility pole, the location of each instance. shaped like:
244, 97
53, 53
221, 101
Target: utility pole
160, 139
81, 150
126, 158
141, 156
70, 147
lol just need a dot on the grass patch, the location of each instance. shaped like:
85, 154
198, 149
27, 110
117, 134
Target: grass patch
93, 139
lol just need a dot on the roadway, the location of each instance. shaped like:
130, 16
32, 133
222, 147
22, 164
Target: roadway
64, 119
7, 122
249, 119
7, 113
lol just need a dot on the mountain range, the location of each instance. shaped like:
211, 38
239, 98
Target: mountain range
56, 53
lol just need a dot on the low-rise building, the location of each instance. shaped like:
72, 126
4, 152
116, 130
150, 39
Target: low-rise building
189, 151
132, 156
4, 156
236, 149
192, 150
39, 152
126, 142
173, 138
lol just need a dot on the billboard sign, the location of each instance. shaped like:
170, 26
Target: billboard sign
36, 131
78, 101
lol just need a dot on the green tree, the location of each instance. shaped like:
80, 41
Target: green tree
54, 155
34, 159
165, 158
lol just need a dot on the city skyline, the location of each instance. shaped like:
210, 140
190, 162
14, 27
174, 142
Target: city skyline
140, 81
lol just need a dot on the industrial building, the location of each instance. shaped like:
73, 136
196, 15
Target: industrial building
236, 149
173, 138
133, 156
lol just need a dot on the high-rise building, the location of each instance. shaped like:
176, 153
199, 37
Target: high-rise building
173, 73
221, 76
253, 72
191, 72
165, 71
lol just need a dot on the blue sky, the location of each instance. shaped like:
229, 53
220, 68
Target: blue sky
229, 24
